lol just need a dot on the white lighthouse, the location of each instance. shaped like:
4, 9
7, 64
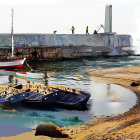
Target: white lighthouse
108, 19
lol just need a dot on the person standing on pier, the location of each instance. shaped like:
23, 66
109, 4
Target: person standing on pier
72, 29
87, 30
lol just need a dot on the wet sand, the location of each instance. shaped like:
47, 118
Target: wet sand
124, 126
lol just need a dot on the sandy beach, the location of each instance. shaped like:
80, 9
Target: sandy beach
124, 126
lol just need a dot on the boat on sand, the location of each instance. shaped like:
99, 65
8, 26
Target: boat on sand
46, 97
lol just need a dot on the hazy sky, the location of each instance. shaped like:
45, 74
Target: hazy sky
45, 16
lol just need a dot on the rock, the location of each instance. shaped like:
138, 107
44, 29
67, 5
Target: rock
51, 130
136, 83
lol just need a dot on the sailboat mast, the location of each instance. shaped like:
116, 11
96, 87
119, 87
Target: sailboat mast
12, 34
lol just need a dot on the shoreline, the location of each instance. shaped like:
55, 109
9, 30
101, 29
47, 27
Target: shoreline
123, 126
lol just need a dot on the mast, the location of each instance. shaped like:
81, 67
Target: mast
12, 34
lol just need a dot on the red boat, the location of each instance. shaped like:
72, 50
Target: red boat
12, 63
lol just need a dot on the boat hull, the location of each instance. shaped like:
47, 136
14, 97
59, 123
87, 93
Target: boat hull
12, 63
42, 97
72, 101
13, 101
40, 101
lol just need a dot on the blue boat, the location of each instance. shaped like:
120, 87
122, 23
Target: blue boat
17, 97
59, 96
11, 100
45, 97
39, 101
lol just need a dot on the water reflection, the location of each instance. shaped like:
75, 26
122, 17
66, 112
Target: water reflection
105, 100
111, 99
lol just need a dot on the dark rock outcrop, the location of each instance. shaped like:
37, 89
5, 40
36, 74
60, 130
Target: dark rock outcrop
136, 83
51, 130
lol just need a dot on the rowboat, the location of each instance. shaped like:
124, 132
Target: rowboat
45, 97
70, 98
40, 101
12, 63
12, 99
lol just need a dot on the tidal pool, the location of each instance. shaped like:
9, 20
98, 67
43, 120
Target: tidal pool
105, 100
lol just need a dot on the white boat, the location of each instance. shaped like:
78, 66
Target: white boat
12, 63
30, 75
35, 75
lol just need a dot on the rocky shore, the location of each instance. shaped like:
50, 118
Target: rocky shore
124, 126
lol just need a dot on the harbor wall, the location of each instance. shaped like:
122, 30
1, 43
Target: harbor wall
57, 46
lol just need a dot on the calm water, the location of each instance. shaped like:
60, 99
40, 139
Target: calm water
106, 99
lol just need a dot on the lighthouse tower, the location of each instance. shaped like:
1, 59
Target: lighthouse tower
108, 19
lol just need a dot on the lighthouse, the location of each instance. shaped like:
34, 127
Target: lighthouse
108, 19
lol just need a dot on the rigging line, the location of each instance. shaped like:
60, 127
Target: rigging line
28, 65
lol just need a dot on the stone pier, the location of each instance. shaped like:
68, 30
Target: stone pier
59, 46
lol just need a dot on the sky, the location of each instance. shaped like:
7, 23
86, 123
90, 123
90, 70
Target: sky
45, 16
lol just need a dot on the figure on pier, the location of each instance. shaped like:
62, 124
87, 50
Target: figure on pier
72, 29
87, 30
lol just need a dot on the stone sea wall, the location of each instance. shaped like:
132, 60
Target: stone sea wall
57, 46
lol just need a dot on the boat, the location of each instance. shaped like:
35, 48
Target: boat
11, 63
38, 96
40, 101
55, 96
71, 98
27, 95
30, 75
46, 97
11, 97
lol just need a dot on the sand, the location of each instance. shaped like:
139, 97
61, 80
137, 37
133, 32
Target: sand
124, 126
